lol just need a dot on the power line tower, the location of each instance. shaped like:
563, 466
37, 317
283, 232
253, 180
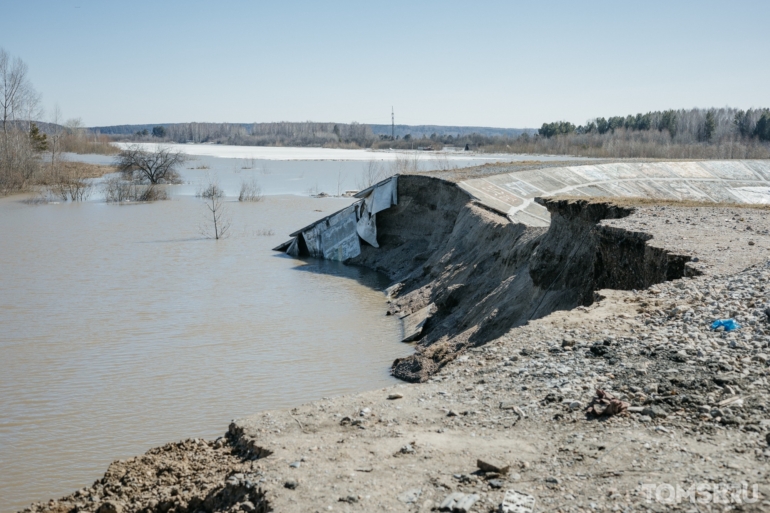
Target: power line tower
392, 125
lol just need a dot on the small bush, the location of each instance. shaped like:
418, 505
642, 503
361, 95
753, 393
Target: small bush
69, 184
250, 191
73, 189
121, 191
210, 190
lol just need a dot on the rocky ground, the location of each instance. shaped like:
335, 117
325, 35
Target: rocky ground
630, 404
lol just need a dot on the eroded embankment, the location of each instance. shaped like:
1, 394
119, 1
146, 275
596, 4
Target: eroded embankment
699, 397
475, 274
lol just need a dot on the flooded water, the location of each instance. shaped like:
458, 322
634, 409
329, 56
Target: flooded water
121, 328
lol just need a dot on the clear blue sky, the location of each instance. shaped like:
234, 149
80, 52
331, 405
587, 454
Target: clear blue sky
506, 63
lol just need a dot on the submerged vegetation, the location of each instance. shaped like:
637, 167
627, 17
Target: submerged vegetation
250, 190
117, 190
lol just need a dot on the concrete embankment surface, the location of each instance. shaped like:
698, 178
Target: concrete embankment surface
509, 367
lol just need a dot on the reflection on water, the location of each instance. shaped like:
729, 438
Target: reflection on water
123, 329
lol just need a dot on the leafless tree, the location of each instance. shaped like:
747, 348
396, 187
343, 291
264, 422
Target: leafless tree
117, 190
54, 137
32, 107
17, 96
158, 166
72, 185
19, 157
403, 165
19, 161
374, 171
370, 174
340, 182
74, 126
218, 219
442, 162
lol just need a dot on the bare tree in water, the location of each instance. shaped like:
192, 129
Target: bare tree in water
158, 166
218, 219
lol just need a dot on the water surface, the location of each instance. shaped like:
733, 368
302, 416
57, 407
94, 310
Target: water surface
123, 328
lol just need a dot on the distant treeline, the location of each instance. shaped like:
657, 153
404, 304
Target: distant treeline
426, 131
254, 134
684, 126
272, 134
314, 134
723, 133
694, 133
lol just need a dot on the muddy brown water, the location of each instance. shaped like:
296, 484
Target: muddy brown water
122, 329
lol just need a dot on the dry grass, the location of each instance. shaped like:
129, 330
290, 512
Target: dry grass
79, 169
89, 170
88, 144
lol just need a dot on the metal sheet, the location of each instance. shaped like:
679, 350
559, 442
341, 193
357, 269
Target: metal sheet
338, 236
366, 226
384, 195
293, 249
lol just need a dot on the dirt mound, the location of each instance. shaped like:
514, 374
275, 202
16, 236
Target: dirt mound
479, 274
188, 476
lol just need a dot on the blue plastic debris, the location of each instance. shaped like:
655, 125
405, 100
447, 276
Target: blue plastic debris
728, 324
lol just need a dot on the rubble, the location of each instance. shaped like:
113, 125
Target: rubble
517, 502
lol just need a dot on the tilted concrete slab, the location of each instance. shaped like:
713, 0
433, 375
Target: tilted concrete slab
727, 181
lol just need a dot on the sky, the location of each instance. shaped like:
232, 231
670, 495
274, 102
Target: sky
503, 64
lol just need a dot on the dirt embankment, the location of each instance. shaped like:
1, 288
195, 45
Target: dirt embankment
698, 412
476, 274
